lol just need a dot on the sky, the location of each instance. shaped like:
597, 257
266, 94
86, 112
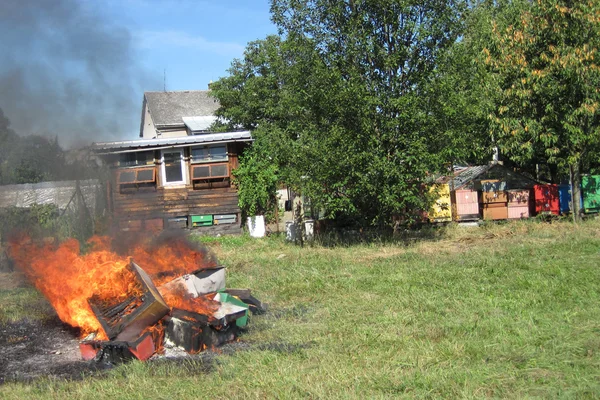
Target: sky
191, 42
77, 69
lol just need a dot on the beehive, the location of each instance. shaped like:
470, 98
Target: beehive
441, 210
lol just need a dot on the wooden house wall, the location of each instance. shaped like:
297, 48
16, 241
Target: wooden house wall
146, 207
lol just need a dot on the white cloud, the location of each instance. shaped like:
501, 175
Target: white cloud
156, 39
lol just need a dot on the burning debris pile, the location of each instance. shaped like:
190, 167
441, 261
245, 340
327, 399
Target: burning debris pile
124, 311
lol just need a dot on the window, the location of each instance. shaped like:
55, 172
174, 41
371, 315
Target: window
214, 153
136, 175
172, 167
136, 159
210, 171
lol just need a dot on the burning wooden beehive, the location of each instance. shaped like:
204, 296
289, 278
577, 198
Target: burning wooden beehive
125, 312
195, 332
137, 326
142, 308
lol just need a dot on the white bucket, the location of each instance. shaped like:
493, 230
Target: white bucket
290, 231
256, 226
309, 230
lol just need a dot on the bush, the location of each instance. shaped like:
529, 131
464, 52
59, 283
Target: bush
256, 179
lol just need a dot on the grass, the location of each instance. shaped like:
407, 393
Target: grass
500, 311
19, 300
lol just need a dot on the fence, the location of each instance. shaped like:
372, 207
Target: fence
63, 208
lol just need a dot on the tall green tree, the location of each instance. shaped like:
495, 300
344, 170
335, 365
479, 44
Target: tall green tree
548, 79
343, 99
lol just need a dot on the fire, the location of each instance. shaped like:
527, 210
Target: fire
178, 298
68, 277
168, 260
163, 258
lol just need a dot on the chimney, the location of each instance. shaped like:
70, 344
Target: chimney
495, 155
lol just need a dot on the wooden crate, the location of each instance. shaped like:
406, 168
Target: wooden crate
494, 197
518, 212
495, 211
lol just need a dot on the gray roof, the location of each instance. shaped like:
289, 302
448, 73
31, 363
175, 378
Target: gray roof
168, 108
465, 175
148, 144
465, 178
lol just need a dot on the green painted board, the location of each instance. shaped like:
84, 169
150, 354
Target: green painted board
590, 186
227, 298
202, 220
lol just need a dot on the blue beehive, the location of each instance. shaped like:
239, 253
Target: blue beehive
564, 196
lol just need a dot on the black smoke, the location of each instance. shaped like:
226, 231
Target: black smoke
68, 71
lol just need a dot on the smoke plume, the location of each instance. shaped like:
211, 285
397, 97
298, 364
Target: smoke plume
68, 71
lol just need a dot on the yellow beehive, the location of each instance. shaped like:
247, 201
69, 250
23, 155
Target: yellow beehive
441, 210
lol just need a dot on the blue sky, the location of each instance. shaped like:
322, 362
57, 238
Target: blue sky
193, 41
77, 69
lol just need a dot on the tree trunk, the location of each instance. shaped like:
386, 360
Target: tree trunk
575, 175
553, 173
299, 220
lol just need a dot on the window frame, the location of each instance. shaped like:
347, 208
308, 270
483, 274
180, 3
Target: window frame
183, 180
211, 165
137, 163
136, 171
209, 161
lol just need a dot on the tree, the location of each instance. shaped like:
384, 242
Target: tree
545, 66
32, 158
343, 100
257, 181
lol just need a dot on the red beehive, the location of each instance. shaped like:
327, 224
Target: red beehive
546, 199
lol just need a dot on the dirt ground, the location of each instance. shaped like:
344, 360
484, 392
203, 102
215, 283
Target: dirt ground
33, 349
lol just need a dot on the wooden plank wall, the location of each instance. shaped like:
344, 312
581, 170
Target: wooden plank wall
137, 208
175, 202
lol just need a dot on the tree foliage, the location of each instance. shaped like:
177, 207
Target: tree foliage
257, 181
547, 75
34, 158
348, 100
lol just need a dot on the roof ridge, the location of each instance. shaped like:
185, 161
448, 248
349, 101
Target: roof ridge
178, 91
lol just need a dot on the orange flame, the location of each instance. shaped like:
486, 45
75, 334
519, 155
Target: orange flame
68, 278
178, 298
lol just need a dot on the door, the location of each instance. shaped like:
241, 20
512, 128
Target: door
173, 167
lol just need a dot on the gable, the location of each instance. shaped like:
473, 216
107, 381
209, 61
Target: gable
168, 108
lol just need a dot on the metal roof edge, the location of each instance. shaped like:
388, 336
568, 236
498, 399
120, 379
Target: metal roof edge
162, 143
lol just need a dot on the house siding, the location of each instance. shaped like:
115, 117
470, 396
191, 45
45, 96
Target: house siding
148, 131
150, 207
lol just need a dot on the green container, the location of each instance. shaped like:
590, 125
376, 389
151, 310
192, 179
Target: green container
227, 298
590, 186
202, 220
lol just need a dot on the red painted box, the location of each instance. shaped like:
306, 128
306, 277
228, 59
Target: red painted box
546, 199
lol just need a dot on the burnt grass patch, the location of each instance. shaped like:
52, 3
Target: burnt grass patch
48, 348
34, 349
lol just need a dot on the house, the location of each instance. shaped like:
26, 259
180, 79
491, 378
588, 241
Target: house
178, 174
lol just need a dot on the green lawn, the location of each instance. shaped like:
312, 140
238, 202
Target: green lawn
503, 311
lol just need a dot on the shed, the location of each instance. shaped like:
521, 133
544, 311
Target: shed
493, 180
